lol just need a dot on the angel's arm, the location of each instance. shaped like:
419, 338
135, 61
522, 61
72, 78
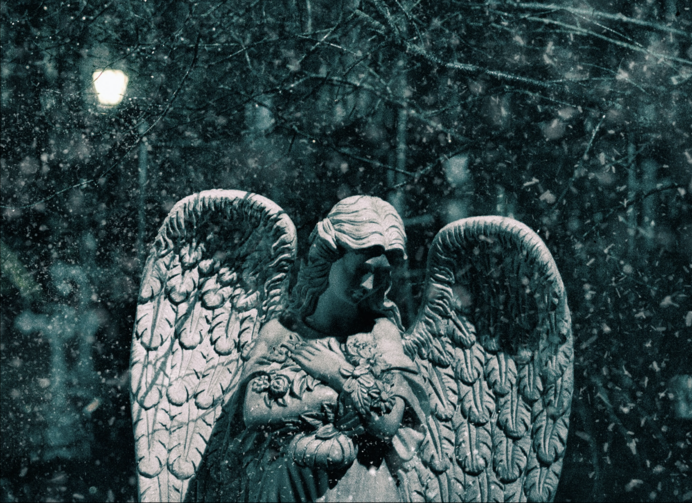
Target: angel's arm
257, 413
386, 425
267, 400
326, 365
318, 360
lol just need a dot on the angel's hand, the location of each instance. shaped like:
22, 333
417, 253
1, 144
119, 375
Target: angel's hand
321, 363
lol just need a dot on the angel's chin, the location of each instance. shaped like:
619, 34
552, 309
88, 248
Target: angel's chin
359, 296
366, 300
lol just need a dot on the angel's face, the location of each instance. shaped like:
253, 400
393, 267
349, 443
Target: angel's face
362, 277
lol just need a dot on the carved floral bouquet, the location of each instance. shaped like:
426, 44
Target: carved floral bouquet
369, 389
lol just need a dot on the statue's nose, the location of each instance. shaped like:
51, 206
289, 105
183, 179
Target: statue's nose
377, 271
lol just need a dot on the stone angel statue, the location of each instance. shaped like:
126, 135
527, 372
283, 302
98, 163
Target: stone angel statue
244, 391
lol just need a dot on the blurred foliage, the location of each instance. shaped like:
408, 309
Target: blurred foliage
574, 118
14, 274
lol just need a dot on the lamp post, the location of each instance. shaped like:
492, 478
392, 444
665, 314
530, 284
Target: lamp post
110, 88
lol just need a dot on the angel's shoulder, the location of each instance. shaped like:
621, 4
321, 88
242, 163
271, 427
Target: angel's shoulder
388, 338
273, 344
273, 333
384, 328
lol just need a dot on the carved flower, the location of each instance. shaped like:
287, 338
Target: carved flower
378, 365
383, 398
360, 347
260, 384
278, 385
361, 351
361, 374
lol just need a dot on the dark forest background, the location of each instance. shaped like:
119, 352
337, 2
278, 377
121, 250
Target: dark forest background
572, 116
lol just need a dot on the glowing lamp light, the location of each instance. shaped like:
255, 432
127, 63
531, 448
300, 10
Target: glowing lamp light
110, 86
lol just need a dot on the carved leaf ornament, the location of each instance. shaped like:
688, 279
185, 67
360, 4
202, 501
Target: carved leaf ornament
492, 342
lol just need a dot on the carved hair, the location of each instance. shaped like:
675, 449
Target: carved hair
354, 223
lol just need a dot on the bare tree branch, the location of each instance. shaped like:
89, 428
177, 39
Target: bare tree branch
138, 140
455, 65
581, 160
595, 13
581, 31
636, 200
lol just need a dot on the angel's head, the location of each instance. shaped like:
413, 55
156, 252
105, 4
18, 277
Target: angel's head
355, 246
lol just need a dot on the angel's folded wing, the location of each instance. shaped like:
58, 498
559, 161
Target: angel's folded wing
494, 341
218, 270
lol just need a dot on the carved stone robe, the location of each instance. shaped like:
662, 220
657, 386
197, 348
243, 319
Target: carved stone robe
323, 453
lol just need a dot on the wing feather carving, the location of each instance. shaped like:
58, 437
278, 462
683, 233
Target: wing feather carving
149, 374
501, 372
155, 322
477, 402
155, 274
541, 480
496, 314
218, 270
514, 491
530, 382
224, 328
152, 428
470, 363
216, 379
186, 365
483, 487
549, 436
514, 415
510, 456
474, 447
194, 325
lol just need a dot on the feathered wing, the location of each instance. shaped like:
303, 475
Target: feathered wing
493, 341
218, 270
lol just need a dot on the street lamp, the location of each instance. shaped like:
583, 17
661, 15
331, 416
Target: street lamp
110, 86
